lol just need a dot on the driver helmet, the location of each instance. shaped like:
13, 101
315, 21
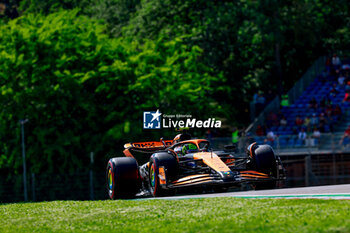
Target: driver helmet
189, 148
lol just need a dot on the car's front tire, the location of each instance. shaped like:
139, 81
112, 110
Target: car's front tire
122, 178
170, 165
264, 161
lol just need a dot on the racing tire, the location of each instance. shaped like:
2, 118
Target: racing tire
171, 167
122, 178
264, 160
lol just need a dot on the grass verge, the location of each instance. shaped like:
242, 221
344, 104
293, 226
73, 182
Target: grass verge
189, 215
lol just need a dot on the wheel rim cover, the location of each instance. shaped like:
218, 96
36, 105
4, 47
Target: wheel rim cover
153, 176
110, 179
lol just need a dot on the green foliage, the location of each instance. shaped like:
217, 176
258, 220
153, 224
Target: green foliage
116, 13
83, 91
255, 44
50, 6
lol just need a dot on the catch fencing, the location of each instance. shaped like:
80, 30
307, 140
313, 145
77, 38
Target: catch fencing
48, 187
323, 161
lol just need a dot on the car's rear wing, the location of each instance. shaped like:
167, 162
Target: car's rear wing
146, 146
149, 145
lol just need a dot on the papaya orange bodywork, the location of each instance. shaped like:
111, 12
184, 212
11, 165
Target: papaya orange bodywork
162, 178
192, 178
253, 172
127, 153
149, 145
212, 160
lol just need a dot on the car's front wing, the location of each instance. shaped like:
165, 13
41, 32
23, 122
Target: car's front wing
216, 179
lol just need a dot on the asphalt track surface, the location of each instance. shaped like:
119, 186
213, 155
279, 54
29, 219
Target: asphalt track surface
317, 192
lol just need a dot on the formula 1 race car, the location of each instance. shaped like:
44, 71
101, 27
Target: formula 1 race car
185, 162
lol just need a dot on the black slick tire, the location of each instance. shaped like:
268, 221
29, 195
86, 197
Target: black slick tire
122, 178
170, 164
265, 162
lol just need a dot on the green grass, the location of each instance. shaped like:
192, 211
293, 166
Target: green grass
190, 215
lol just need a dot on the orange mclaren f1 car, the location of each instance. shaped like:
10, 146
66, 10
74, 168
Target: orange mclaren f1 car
185, 162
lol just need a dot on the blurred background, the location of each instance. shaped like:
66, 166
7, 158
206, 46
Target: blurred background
76, 76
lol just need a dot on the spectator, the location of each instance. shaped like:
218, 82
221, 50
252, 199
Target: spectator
283, 121
3, 9
272, 120
260, 131
295, 133
302, 135
270, 137
14, 12
328, 110
298, 121
346, 97
8, 10
323, 77
316, 135
328, 101
345, 67
337, 111
255, 97
347, 86
313, 103
285, 101
260, 103
346, 138
341, 80
322, 122
334, 90
336, 61
323, 102
330, 122
314, 120
279, 114
307, 123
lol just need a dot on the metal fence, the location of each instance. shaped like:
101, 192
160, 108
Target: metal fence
325, 162
47, 187
322, 161
327, 143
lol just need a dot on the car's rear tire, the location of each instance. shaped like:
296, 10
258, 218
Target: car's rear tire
264, 160
171, 167
122, 178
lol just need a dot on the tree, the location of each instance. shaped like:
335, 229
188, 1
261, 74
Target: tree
83, 91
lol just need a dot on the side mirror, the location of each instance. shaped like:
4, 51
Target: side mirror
162, 141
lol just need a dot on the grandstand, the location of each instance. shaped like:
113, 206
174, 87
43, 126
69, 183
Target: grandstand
310, 161
322, 99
